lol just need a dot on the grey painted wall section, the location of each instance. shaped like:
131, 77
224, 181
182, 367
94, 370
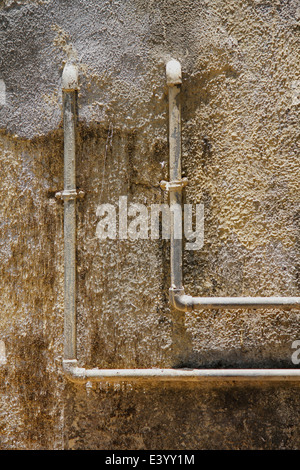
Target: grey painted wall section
240, 125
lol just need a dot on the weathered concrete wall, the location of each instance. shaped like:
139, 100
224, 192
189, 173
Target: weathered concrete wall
240, 95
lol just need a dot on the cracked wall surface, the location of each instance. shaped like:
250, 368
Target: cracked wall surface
240, 153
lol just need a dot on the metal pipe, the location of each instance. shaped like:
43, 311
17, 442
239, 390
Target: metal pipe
174, 82
187, 303
69, 194
178, 298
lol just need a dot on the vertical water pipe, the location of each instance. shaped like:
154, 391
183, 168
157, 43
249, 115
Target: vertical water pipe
178, 298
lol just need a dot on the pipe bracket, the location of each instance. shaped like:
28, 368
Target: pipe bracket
70, 194
176, 185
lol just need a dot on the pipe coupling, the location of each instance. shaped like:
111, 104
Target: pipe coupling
176, 185
173, 72
69, 194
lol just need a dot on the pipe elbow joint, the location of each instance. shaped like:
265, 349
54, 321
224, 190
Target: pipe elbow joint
173, 72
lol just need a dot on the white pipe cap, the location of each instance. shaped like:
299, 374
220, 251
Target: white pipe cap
173, 71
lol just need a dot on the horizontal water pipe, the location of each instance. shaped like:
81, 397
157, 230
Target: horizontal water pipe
81, 375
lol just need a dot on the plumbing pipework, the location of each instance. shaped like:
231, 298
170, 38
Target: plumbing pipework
70, 194
178, 298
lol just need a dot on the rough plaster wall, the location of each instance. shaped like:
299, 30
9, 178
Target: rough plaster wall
240, 95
